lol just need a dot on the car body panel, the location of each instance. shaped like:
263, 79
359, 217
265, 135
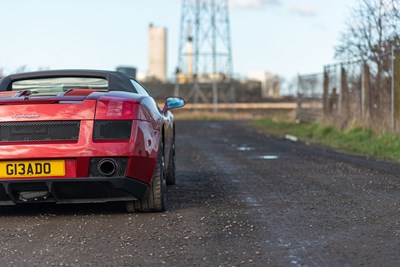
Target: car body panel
47, 112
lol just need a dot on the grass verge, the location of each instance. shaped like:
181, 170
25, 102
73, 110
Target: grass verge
354, 140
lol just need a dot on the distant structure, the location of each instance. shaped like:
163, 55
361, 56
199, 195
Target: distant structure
270, 83
205, 53
128, 70
272, 86
157, 54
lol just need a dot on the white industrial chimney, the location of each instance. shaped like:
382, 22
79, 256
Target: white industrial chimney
157, 53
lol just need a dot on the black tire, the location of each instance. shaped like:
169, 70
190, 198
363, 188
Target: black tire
156, 197
170, 175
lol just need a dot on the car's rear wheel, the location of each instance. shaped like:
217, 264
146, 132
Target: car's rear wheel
156, 198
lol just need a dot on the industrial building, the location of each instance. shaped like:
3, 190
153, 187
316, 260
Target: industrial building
270, 83
157, 54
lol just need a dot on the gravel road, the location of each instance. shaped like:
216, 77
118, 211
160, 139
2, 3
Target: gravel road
241, 199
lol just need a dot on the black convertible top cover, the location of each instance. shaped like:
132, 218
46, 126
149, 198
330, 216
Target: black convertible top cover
117, 81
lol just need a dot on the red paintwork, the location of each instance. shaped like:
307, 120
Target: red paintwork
48, 112
142, 148
80, 92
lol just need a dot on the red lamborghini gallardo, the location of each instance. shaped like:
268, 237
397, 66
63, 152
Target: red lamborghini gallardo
78, 136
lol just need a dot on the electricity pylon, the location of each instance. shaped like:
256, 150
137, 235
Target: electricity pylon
205, 51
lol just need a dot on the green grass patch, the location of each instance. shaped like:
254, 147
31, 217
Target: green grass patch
354, 140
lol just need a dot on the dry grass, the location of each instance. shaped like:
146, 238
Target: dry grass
185, 114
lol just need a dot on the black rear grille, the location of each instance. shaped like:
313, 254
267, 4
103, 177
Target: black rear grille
112, 130
39, 131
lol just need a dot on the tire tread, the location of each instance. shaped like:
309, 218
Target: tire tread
155, 199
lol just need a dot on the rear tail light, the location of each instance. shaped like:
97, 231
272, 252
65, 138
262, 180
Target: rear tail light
115, 109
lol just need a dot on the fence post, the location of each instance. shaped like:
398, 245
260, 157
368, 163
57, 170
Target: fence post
326, 92
395, 87
343, 91
365, 94
298, 100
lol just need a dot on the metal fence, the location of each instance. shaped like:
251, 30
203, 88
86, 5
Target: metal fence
366, 94
309, 97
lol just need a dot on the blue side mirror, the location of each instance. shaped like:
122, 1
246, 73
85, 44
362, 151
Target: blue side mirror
174, 102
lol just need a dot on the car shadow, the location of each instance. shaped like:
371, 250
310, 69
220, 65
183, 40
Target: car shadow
193, 189
49, 209
198, 189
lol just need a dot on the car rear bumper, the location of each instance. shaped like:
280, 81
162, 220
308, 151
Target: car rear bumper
73, 190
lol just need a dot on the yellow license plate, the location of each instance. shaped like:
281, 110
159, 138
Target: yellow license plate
32, 168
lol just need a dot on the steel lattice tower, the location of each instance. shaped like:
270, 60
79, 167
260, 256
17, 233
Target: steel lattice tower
205, 53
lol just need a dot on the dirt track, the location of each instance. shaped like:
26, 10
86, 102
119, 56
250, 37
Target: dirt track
240, 199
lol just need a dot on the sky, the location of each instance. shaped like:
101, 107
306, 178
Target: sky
285, 37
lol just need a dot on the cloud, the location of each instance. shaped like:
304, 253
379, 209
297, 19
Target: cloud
252, 4
303, 10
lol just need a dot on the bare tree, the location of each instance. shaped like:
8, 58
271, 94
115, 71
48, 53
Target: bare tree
370, 32
395, 6
368, 36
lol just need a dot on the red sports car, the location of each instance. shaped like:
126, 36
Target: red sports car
78, 136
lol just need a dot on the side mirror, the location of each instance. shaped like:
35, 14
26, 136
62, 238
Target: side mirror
173, 102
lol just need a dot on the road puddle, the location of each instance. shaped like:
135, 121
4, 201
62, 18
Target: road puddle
245, 148
268, 157
251, 201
